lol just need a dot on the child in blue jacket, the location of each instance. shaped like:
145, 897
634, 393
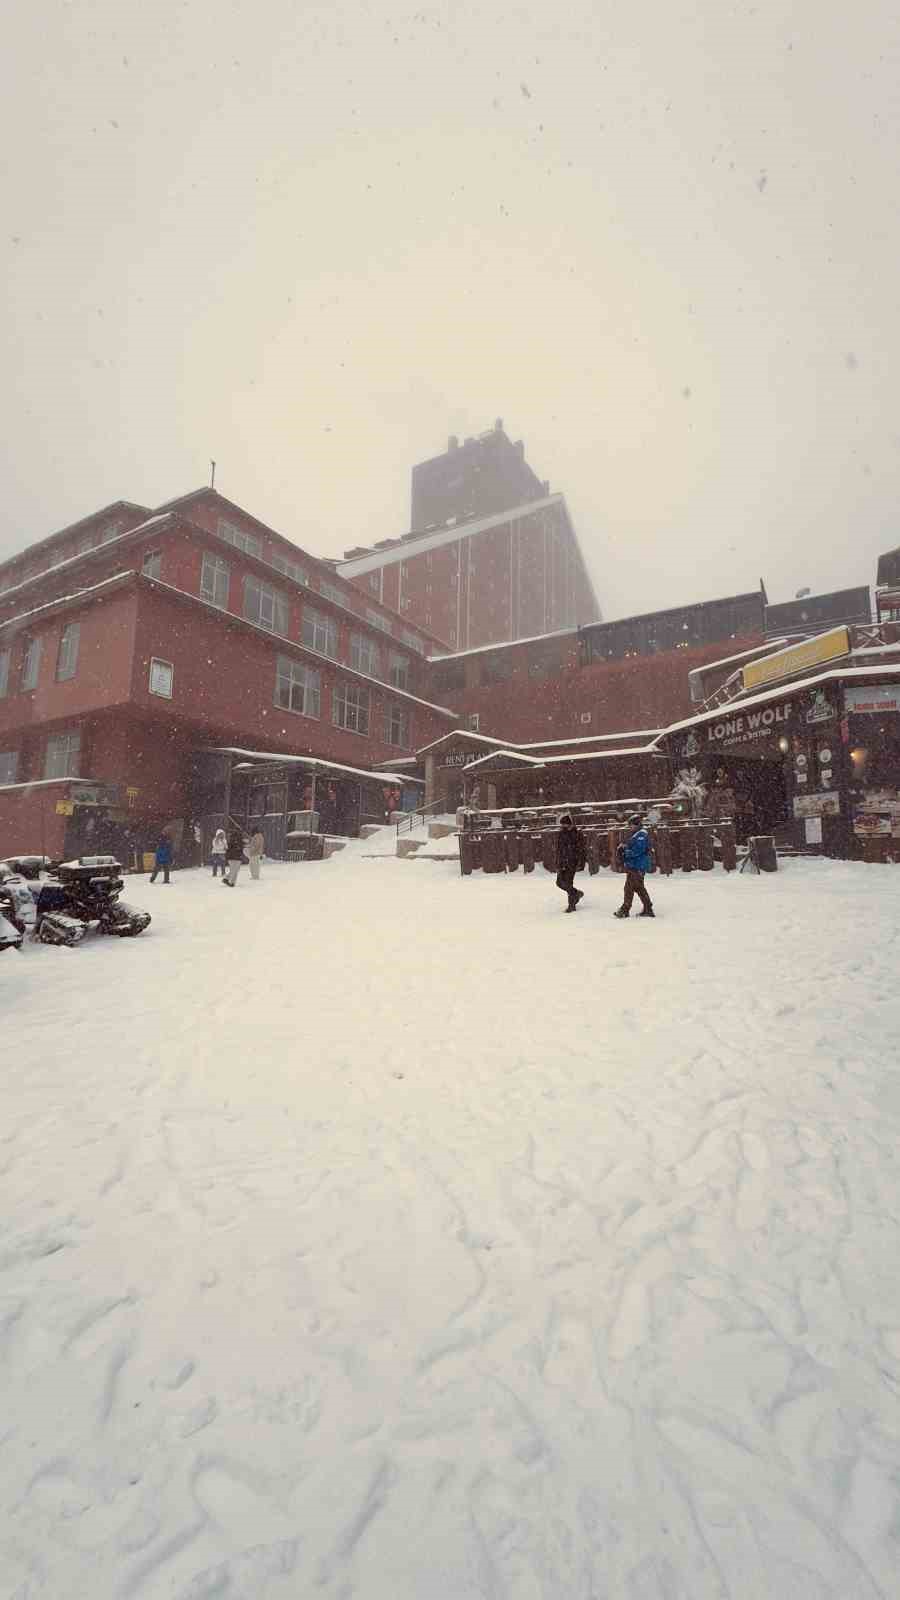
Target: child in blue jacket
637, 858
163, 859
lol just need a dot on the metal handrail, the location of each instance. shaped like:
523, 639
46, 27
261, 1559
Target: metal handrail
410, 819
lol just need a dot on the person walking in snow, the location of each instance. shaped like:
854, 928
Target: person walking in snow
162, 861
256, 850
637, 859
235, 854
570, 858
219, 848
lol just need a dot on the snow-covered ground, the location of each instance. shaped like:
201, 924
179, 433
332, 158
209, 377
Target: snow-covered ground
371, 1232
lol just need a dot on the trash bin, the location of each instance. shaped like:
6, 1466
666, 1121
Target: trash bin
762, 852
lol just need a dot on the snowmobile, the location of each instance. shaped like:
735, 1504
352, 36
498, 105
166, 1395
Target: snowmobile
83, 892
12, 918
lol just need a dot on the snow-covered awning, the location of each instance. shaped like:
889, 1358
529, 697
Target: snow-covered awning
268, 758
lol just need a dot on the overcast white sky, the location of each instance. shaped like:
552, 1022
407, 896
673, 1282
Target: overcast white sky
660, 239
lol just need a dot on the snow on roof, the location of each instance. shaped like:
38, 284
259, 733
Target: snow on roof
77, 594
84, 555
742, 655
462, 733
509, 755
46, 783
441, 536
592, 738
502, 644
273, 759
605, 755
784, 691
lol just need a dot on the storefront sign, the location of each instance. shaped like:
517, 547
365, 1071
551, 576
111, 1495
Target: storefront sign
811, 653
96, 794
748, 727
875, 697
461, 758
821, 708
65, 808
817, 805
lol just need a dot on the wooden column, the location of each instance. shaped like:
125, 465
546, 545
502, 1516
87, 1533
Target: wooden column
688, 849
729, 845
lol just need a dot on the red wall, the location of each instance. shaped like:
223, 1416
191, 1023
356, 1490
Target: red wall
103, 674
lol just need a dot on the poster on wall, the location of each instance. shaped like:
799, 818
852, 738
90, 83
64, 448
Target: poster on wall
812, 828
872, 824
817, 805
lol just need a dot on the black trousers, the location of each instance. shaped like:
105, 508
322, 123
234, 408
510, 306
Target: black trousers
157, 869
634, 885
566, 881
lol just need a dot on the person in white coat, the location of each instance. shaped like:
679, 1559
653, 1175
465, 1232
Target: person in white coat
255, 851
218, 852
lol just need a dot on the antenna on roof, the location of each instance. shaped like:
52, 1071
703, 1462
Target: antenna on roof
212, 474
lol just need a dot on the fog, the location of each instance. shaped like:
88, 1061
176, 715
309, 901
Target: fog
659, 240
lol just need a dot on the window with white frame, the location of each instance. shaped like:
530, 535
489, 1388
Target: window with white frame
298, 687
265, 606
364, 654
396, 724
151, 566
162, 677
474, 721
4, 673
413, 641
62, 756
375, 582
9, 765
247, 542
291, 569
398, 670
350, 707
319, 632
31, 665
67, 658
377, 620
215, 576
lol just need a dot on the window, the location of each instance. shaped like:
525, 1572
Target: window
413, 641
151, 566
290, 569
474, 721
396, 724
377, 620
265, 606
298, 687
4, 673
162, 674
375, 582
319, 632
9, 765
247, 542
67, 660
350, 707
63, 754
31, 666
364, 654
332, 592
398, 670
496, 668
585, 716
215, 575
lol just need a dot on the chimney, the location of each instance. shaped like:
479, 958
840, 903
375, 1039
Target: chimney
452, 443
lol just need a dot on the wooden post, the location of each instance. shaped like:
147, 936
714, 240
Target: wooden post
527, 851
465, 854
729, 845
511, 840
663, 845
549, 849
705, 850
675, 837
603, 848
689, 849
476, 851
593, 852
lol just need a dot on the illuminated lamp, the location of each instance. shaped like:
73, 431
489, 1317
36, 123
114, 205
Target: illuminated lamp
859, 756
784, 745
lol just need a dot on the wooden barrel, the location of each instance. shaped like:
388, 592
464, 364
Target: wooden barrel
548, 851
688, 849
729, 845
663, 850
511, 841
706, 856
526, 848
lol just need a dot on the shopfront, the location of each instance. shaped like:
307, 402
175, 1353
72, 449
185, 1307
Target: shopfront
872, 729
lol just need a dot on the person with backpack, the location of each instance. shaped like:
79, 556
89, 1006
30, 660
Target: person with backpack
570, 858
636, 856
235, 853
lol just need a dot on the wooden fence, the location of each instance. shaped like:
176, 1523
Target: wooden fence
677, 847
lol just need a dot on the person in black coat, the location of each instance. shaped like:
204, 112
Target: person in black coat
570, 858
235, 854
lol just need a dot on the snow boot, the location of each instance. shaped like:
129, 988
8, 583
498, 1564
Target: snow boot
621, 912
648, 913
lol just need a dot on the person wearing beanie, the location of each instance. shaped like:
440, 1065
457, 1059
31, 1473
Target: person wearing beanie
637, 859
570, 858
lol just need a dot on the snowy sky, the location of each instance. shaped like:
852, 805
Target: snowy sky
659, 239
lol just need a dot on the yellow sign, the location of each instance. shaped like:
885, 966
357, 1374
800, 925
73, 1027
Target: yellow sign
811, 653
65, 808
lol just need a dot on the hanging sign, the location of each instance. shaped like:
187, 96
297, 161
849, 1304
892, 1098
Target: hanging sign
874, 698
811, 653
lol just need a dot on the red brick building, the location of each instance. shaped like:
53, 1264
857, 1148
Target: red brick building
136, 639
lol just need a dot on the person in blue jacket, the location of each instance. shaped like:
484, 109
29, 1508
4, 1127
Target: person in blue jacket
637, 858
163, 858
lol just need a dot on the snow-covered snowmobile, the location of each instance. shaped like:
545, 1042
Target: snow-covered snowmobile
83, 892
12, 921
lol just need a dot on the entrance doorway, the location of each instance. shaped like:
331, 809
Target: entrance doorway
760, 791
